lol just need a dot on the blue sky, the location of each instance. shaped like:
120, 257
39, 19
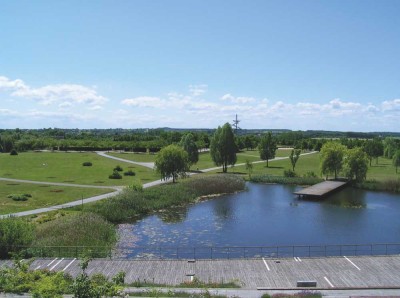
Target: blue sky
331, 65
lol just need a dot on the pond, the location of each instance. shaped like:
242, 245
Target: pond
265, 216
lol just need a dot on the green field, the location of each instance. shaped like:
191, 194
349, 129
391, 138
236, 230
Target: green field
205, 160
310, 163
42, 195
67, 168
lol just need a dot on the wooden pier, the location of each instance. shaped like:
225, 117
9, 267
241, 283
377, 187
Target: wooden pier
321, 189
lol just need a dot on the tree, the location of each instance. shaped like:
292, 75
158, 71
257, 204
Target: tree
223, 147
332, 158
249, 167
396, 159
374, 149
189, 145
172, 162
267, 147
356, 164
294, 157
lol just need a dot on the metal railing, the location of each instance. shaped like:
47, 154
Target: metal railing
211, 252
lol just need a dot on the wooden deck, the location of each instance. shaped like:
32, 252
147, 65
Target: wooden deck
329, 273
321, 189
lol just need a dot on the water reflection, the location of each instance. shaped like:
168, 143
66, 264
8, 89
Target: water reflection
348, 198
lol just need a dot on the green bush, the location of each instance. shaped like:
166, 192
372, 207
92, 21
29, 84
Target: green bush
118, 168
129, 173
115, 175
13, 152
19, 197
289, 173
285, 180
87, 164
310, 174
15, 233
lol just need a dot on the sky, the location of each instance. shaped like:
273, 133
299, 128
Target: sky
300, 65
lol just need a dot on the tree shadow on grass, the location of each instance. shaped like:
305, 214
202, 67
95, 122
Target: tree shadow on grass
272, 167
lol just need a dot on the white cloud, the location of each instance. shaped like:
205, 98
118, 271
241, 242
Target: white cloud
50, 94
145, 102
240, 99
197, 90
391, 105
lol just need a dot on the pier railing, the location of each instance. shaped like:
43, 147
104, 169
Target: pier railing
213, 252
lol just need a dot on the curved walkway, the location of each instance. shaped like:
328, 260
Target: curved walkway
117, 189
143, 164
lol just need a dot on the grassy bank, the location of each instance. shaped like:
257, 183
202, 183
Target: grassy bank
132, 204
285, 180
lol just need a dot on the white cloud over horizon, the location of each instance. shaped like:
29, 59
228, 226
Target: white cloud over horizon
74, 105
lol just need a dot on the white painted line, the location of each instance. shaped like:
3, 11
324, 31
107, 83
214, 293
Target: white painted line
56, 264
52, 262
69, 264
266, 265
37, 267
297, 259
327, 280
351, 262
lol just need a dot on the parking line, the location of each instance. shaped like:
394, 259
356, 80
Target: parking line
327, 280
266, 265
297, 259
69, 264
37, 267
56, 264
51, 262
351, 262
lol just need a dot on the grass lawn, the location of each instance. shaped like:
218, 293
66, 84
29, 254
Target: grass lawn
383, 170
67, 167
42, 195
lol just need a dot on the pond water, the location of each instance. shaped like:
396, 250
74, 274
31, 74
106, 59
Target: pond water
270, 215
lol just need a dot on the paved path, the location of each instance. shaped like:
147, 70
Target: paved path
332, 273
117, 189
143, 164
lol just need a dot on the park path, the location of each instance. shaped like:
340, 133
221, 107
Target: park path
143, 164
117, 189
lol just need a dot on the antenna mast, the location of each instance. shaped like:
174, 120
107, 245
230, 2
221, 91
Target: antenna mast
235, 124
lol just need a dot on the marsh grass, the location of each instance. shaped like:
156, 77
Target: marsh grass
285, 180
391, 185
132, 204
78, 229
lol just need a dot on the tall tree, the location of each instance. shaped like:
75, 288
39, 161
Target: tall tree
172, 162
332, 158
189, 145
294, 157
396, 159
374, 149
356, 164
223, 147
267, 147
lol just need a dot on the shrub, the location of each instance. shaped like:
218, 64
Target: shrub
129, 173
19, 197
136, 186
13, 152
118, 168
310, 174
14, 232
115, 175
87, 164
289, 173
